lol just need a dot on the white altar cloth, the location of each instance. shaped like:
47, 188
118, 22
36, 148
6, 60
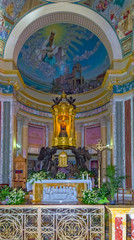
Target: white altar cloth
29, 185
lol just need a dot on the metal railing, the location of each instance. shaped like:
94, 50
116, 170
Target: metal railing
52, 222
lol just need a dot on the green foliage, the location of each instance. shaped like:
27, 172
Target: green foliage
113, 180
4, 192
103, 200
41, 175
93, 197
104, 191
16, 197
90, 197
107, 190
60, 175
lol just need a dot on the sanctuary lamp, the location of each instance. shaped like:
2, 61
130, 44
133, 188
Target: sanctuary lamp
64, 112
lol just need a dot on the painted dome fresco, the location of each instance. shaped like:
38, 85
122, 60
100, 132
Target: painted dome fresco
63, 56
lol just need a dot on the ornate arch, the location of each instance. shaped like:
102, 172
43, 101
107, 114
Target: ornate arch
57, 13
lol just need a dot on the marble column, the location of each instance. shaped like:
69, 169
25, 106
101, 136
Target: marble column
25, 139
132, 141
110, 134
104, 143
19, 134
7, 141
128, 142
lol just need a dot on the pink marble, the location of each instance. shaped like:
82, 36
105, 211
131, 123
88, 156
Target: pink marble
91, 134
128, 142
36, 135
132, 229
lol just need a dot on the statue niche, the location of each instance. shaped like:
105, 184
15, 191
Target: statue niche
63, 132
64, 112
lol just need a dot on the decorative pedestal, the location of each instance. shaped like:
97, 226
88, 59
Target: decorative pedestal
117, 221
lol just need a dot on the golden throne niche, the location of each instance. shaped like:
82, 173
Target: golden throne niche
63, 123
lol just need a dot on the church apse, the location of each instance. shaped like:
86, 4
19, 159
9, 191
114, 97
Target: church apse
61, 57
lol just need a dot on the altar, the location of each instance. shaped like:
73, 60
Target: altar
37, 186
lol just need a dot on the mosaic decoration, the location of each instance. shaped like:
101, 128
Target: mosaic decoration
52, 223
125, 23
49, 115
9, 14
92, 112
119, 13
6, 89
34, 111
123, 88
63, 57
127, 45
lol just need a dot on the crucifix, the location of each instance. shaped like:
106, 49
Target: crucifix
99, 149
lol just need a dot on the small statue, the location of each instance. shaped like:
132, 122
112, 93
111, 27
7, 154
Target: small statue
71, 100
63, 132
81, 156
54, 167
74, 194
45, 155
56, 101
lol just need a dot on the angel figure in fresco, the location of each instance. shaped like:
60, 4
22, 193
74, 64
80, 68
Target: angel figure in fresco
3, 30
10, 9
49, 52
2, 22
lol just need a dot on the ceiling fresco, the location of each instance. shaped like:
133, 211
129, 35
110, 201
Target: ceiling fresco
63, 57
119, 13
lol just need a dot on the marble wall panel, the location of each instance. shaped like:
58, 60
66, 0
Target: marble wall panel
128, 141
6, 141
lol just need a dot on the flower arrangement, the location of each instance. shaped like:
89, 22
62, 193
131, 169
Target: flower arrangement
60, 175
90, 197
41, 175
16, 197
83, 174
93, 197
